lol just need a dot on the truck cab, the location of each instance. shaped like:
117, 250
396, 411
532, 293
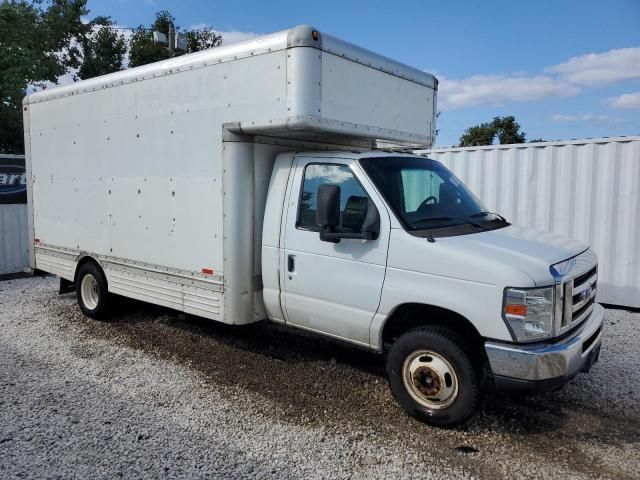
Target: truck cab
391, 251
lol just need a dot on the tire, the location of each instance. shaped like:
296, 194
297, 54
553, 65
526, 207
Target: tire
91, 291
432, 377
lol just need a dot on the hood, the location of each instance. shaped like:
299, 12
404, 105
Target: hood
531, 251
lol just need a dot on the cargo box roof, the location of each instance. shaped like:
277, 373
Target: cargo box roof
300, 36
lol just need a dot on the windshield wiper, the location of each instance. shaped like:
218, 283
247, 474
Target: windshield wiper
486, 212
448, 219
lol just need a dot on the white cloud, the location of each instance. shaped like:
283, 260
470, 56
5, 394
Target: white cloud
600, 69
500, 89
234, 36
626, 100
587, 117
66, 79
562, 80
329, 172
228, 36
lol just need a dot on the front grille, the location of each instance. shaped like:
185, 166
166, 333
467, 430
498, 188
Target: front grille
579, 295
580, 279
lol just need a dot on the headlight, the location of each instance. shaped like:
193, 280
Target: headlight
529, 313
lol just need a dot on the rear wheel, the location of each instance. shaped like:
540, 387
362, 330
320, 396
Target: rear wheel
91, 291
432, 377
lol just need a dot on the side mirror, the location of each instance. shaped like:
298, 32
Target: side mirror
328, 206
360, 221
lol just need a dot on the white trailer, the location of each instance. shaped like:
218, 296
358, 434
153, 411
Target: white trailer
244, 183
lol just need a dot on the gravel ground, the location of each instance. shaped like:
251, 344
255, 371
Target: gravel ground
157, 394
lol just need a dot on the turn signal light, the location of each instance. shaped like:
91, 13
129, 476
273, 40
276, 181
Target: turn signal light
515, 309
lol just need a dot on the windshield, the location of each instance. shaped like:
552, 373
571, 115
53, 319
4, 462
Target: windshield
427, 196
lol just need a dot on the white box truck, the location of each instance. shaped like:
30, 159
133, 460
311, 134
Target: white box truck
245, 183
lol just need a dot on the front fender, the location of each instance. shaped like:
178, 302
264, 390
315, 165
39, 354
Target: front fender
480, 303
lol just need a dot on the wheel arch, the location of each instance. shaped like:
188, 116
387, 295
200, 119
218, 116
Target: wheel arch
412, 315
83, 259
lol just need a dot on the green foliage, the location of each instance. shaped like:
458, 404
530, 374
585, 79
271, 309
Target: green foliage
143, 50
201, 39
36, 47
163, 21
506, 129
103, 49
482, 134
11, 135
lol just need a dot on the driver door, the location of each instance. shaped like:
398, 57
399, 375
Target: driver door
333, 288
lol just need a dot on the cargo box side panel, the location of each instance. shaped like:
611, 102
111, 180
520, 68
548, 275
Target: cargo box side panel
372, 99
134, 171
132, 175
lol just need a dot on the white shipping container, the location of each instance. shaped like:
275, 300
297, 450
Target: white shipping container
584, 189
14, 237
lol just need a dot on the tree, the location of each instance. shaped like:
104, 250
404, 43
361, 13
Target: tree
37, 45
103, 49
201, 39
143, 49
506, 129
482, 134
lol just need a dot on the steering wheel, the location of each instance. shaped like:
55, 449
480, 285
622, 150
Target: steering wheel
426, 201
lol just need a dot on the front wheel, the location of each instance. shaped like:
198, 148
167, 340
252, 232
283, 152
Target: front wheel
432, 377
91, 291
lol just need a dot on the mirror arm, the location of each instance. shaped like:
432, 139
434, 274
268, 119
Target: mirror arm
335, 237
328, 236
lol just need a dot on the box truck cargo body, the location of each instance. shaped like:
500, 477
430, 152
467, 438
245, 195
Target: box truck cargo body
245, 182
135, 166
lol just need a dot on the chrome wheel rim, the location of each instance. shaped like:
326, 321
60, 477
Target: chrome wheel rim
430, 379
89, 291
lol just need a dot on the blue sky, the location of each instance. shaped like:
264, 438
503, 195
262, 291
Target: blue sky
564, 68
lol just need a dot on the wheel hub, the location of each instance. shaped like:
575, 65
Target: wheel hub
430, 379
427, 381
89, 291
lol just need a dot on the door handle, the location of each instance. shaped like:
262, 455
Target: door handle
291, 263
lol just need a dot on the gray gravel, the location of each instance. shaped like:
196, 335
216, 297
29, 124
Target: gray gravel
156, 394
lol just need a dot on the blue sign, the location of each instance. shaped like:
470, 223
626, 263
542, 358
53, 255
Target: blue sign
13, 181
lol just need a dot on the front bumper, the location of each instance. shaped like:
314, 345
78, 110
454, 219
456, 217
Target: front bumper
549, 365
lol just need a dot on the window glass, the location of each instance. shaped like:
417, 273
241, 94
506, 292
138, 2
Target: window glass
426, 196
420, 186
353, 199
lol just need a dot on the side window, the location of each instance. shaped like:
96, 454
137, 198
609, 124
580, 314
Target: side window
353, 199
